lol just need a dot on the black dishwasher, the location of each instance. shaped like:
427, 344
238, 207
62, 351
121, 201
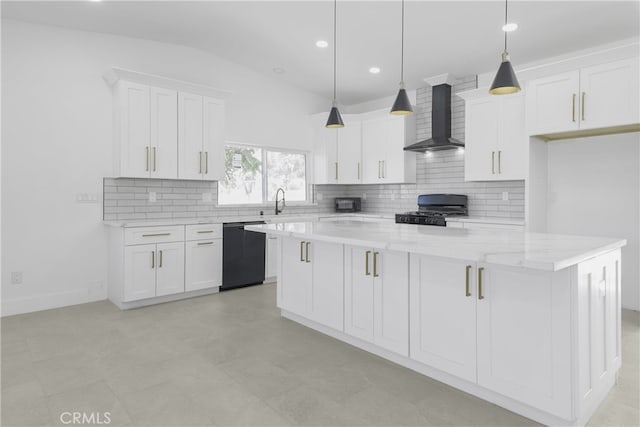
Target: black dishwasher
242, 256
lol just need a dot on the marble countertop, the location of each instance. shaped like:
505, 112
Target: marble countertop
539, 251
270, 219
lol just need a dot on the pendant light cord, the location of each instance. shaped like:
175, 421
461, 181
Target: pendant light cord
335, 4
505, 23
402, 49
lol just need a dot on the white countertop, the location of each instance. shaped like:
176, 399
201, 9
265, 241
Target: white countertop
540, 251
222, 219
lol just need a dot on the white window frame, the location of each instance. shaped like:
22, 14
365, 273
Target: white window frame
265, 183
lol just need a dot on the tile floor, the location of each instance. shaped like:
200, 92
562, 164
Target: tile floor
229, 359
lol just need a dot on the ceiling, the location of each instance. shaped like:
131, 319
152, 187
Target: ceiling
457, 37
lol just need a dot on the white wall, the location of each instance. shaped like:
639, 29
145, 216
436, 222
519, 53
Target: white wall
57, 138
594, 189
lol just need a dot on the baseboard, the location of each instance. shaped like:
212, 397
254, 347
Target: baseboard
166, 298
15, 306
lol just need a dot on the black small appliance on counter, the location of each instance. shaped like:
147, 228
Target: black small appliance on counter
348, 204
434, 208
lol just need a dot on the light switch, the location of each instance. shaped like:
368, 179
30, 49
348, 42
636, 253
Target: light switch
152, 196
505, 195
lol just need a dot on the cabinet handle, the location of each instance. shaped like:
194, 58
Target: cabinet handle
160, 261
358, 170
375, 264
153, 259
480, 294
336, 170
205, 243
205, 231
200, 171
206, 162
306, 258
493, 162
147, 156
467, 273
573, 108
301, 253
156, 235
499, 161
582, 106
366, 264
379, 162
154, 158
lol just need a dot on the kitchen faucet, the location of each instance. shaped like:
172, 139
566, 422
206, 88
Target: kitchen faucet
279, 210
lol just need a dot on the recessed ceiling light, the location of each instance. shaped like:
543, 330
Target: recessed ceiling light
511, 26
322, 44
279, 70
374, 70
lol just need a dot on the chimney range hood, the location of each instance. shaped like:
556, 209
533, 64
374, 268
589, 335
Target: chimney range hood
440, 123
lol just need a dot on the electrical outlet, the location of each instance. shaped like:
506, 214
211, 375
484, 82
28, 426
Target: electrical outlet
364, 196
152, 196
16, 277
505, 195
319, 196
207, 197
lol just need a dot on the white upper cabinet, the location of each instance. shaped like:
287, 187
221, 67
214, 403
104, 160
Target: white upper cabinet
166, 133
200, 137
337, 152
496, 140
591, 98
369, 149
383, 138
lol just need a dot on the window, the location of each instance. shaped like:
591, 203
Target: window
254, 174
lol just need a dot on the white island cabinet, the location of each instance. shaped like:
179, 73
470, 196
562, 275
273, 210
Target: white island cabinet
528, 321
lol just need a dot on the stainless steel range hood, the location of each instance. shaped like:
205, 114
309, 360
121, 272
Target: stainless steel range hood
440, 123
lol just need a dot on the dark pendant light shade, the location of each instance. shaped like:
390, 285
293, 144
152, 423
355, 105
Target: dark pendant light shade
402, 105
335, 119
505, 81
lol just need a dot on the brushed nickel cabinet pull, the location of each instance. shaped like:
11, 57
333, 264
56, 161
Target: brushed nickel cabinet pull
153, 259
160, 261
306, 258
206, 162
200, 171
499, 161
358, 170
467, 273
375, 264
156, 235
493, 162
582, 106
205, 243
301, 251
384, 168
366, 263
147, 156
379, 174
205, 231
336, 170
573, 108
154, 158
480, 294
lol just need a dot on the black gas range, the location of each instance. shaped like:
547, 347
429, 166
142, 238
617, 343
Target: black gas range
434, 208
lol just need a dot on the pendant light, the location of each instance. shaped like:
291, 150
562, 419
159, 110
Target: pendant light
505, 81
334, 120
402, 106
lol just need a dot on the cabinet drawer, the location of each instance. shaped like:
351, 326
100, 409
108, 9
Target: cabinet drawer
203, 231
144, 235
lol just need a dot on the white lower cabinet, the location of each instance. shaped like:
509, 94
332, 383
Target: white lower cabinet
203, 263
376, 301
312, 284
443, 315
271, 261
153, 270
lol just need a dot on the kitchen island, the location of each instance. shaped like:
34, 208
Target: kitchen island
528, 321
